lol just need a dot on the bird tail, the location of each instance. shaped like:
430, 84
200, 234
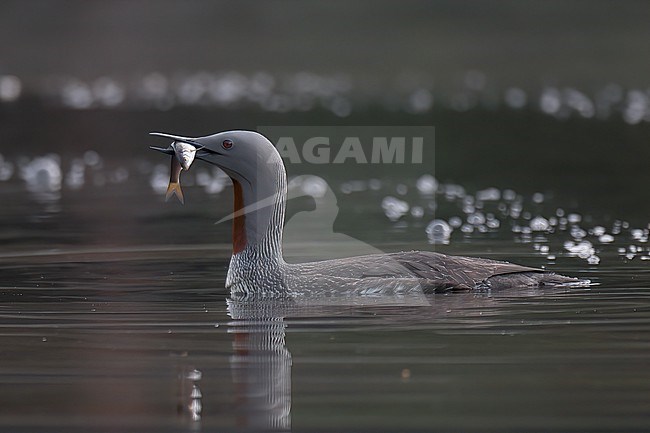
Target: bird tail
557, 280
174, 188
533, 279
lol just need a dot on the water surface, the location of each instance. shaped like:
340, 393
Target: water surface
114, 316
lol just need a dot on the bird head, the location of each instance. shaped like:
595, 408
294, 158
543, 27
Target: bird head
246, 156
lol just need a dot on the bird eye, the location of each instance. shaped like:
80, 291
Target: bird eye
227, 144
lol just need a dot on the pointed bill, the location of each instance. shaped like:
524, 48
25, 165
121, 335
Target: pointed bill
168, 150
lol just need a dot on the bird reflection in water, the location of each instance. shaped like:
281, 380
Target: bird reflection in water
261, 365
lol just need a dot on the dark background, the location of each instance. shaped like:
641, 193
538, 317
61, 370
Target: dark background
584, 43
463, 56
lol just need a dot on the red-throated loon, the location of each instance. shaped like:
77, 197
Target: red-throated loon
257, 266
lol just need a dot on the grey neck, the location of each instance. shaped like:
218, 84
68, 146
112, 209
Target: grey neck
264, 226
259, 263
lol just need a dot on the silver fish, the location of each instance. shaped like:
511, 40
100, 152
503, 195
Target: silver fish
184, 153
182, 158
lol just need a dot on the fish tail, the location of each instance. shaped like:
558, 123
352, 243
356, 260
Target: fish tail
174, 188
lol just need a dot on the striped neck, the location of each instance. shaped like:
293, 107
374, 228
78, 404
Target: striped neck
257, 228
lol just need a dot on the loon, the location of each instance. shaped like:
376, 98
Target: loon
257, 266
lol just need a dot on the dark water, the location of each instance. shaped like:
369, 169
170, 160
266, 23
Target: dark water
114, 317
114, 338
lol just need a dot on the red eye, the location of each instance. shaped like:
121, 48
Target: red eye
227, 144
